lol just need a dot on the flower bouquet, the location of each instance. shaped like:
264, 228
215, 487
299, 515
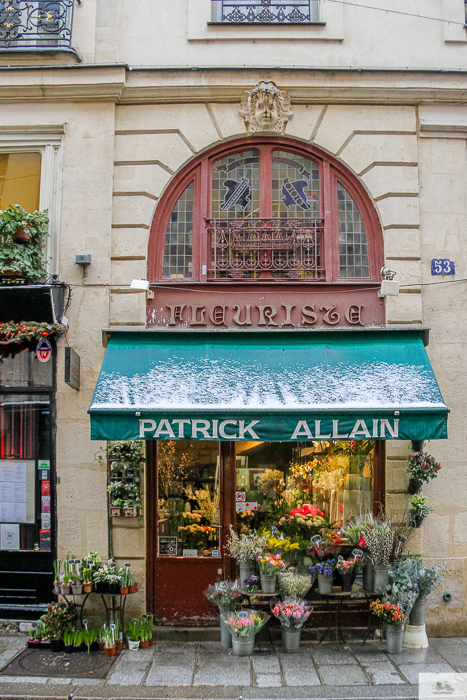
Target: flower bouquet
394, 617
246, 549
379, 538
294, 584
348, 568
228, 599
325, 572
243, 627
251, 584
422, 467
269, 566
292, 613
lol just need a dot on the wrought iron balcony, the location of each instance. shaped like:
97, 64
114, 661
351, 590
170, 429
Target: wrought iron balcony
36, 24
265, 11
266, 248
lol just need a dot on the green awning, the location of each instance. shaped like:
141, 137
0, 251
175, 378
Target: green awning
267, 386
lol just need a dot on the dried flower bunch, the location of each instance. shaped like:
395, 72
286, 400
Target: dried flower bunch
379, 538
246, 547
294, 584
390, 613
292, 612
423, 466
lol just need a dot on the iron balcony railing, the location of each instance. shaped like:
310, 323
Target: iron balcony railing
265, 248
265, 11
32, 24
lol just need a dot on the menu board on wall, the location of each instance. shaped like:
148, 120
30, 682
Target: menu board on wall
17, 491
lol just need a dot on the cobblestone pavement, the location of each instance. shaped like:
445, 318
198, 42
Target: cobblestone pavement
204, 670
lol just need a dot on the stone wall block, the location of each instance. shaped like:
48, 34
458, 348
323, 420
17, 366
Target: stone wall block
128, 309
448, 156
130, 241
402, 243
397, 478
169, 149
124, 271
398, 448
366, 149
404, 308
399, 211
194, 123
128, 542
340, 121
436, 529
227, 118
140, 178
304, 120
460, 528
408, 271
133, 210
385, 179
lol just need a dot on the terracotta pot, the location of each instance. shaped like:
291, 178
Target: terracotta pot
119, 645
87, 587
151, 642
101, 646
22, 235
131, 589
124, 591
109, 651
144, 644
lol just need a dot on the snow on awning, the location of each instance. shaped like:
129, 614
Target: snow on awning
267, 386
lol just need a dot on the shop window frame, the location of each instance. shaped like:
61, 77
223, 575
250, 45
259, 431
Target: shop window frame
199, 171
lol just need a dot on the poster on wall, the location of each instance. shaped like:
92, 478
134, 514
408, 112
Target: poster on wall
167, 546
9, 536
17, 491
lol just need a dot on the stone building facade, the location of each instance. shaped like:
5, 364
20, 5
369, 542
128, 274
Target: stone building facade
148, 90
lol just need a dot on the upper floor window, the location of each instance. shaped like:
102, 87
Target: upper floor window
265, 11
36, 24
271, 211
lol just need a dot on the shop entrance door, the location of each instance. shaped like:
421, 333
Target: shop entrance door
190, 505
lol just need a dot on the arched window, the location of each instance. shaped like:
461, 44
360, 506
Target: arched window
263, 211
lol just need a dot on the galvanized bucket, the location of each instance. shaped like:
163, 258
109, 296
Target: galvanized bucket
291, 639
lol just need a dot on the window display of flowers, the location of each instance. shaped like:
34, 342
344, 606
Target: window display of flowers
423, 466
226, 596
323, 568
246, 623
270, 564
294, 584
250, 584
349, 566
197, 536
388, 612
246, 547
188, 518
292, 612
302, 523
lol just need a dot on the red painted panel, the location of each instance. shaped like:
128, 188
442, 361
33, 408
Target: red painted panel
218, 305
178, 589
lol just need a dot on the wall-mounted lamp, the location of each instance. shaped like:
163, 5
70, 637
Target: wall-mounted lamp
389, 286
84, 261
142, 286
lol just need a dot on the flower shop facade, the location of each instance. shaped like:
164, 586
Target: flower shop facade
266, 381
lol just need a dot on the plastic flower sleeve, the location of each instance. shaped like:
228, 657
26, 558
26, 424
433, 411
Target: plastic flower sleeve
245, 623
225, 595
292, 612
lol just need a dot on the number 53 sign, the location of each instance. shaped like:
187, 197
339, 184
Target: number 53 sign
442, 266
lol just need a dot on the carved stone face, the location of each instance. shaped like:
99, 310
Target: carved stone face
266, 110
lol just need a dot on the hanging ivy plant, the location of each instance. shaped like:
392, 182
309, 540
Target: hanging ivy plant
26, 331
24, 259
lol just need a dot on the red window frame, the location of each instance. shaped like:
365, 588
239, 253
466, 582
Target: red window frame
331, 171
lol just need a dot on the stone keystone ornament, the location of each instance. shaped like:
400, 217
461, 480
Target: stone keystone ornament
266, 108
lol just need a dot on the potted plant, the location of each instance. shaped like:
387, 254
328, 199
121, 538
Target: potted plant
57, 620
76, 585
100, 578
17, 228
392, 615
68, 637
87, 580
132, 585
251, 584
348, 569
419, 510
325, 573
243, 626
292, 613
145, 627
124, 575
116, 508
269, 566
246, 549
228, 599
428, 580
109, 643
379, 538
132, 635
422, 467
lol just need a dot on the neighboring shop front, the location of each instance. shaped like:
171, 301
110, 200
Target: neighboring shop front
266, 378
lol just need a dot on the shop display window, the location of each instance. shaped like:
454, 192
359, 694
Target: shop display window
299, 490
188, 498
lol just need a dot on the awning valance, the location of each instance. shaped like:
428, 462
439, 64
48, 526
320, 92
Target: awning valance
267, 386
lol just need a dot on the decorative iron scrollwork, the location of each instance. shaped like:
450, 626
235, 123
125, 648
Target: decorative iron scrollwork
266, 11
36, 23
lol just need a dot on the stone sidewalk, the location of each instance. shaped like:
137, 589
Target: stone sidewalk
204, 670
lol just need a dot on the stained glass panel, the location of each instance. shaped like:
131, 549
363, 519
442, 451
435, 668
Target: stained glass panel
353, 249
295, 186
235, 186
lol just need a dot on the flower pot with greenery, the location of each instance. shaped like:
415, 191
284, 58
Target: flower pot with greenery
428, 580
325, 573
87, 581
145, 630
292, 613
348, 569
269, 566
22, 238
58, 619
243, 626
133, 635
419, 510
123, 575
132, 585
394, 617
422, 467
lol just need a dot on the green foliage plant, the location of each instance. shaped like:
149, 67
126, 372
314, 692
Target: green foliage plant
25, 260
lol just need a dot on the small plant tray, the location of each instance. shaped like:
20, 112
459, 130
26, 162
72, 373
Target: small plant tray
38, 645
